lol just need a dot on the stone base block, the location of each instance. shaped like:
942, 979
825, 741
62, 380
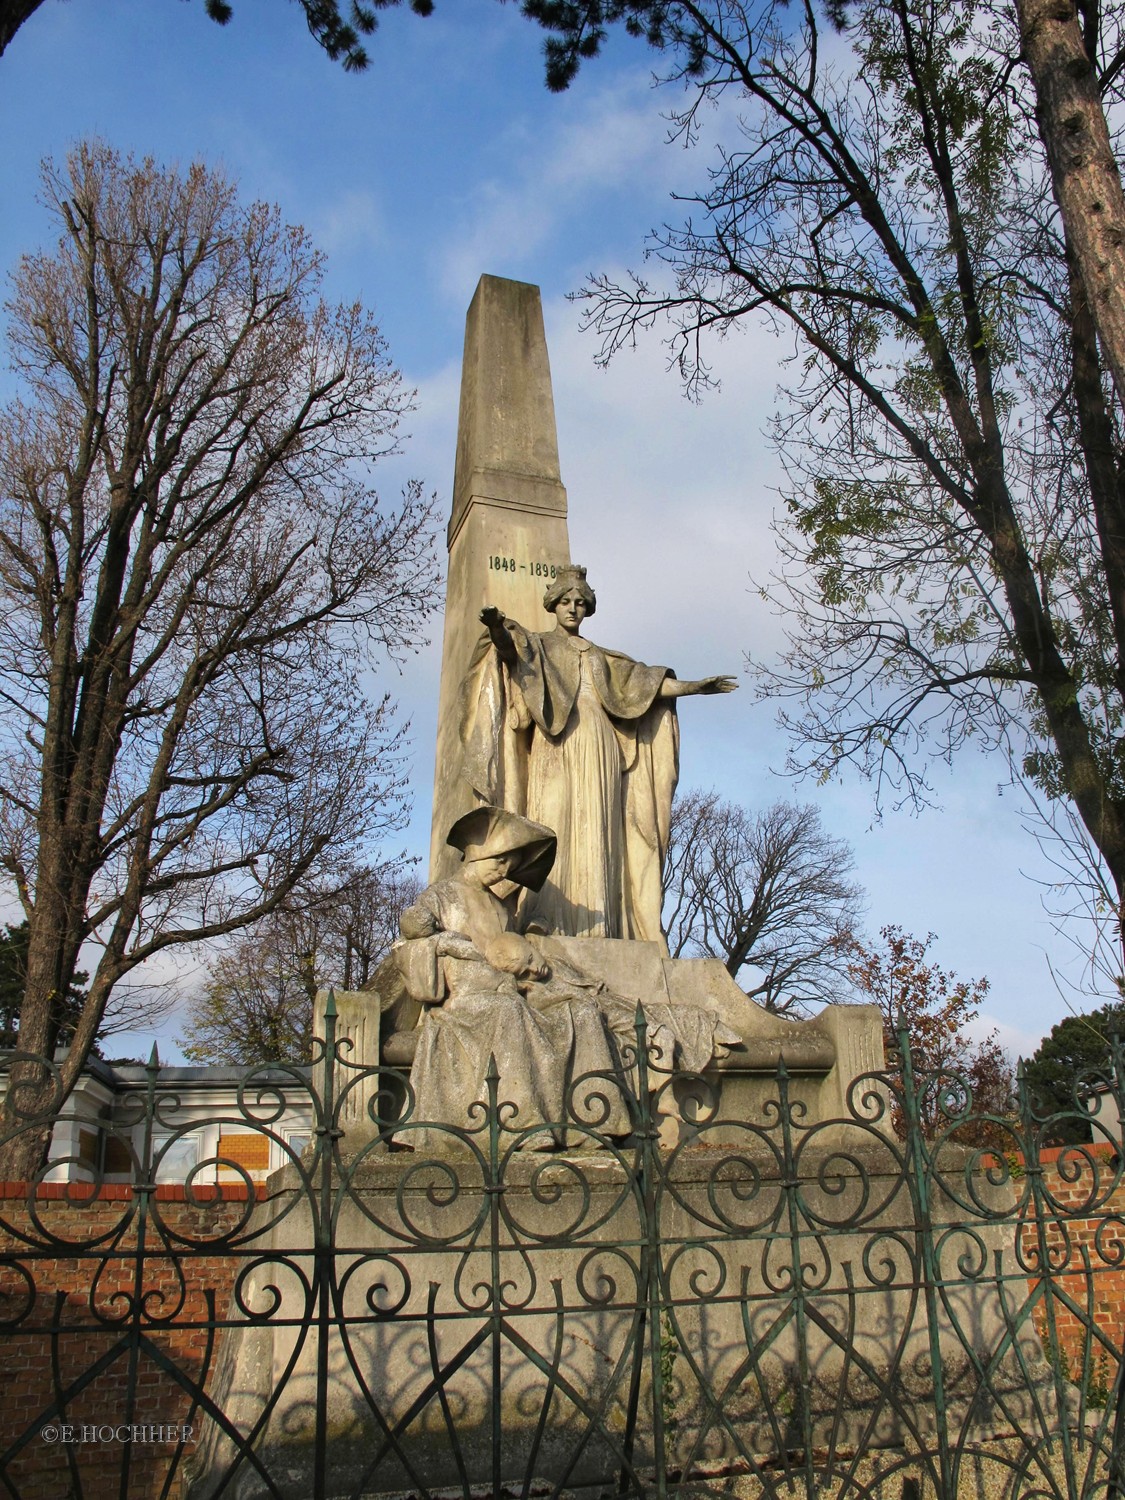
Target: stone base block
484, 1323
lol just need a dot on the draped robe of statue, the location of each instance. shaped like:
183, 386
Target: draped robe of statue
480, 1012
578, 738
545, 1033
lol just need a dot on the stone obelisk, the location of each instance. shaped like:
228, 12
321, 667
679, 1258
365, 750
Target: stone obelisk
507, 531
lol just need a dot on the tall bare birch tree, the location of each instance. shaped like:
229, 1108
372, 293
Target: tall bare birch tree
194, 577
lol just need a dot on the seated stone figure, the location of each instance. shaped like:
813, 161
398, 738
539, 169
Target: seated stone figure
487, 991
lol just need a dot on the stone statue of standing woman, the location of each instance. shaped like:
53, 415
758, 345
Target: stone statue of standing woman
583, 740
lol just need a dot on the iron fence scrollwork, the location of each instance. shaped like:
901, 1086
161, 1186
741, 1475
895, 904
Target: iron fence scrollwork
784, 1305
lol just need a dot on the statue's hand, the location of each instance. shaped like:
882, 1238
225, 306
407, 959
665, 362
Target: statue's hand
493, 621
717, 685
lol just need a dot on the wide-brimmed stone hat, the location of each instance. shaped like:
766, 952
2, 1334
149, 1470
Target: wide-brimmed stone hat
487, 831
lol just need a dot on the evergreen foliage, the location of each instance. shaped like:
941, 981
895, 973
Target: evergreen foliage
1071, 1059
337, 28
13, 979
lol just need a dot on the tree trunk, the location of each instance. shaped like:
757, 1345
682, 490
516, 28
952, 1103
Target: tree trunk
1084, 170
54, 940
32, 1088
13, 13
24, 1155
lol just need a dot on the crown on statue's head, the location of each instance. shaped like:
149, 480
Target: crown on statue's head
569, 578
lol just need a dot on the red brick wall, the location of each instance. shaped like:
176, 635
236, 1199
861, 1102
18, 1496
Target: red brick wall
69, 1212
1086, 1201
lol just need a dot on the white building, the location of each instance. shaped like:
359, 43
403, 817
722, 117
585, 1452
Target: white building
199, 1116
1106, 1115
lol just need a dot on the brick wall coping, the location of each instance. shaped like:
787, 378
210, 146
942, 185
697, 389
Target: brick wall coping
237, 1192
117, 1192
1050, 1154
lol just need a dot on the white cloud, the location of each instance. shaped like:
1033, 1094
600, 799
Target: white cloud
670, 502
1017, 1041
351, 222
605, 146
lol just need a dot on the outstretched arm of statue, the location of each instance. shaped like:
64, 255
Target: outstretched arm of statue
493, 621
672, 687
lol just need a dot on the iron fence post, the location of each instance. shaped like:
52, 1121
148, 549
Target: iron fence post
790, 1186
144, 1190
651, 1270
1115, 1489
494, 1187
1041, 1211
323, 1242
918, 1178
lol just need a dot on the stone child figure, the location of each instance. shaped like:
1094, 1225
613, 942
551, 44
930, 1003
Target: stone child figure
583, 740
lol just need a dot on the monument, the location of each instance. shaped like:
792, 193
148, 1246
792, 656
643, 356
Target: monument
543, 724
533, 1166
507, 533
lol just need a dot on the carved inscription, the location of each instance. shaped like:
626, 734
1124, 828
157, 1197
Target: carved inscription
498, 564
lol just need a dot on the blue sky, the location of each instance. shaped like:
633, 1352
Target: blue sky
448, 158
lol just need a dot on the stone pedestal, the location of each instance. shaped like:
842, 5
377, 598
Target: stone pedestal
363, 1096
500, 1323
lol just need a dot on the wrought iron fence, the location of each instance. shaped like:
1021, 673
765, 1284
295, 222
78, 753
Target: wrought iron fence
776, 1306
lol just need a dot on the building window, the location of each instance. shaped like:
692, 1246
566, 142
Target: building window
117, 1159
174, 1156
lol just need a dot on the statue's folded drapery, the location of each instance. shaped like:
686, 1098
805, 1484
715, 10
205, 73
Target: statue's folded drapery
475, 1010
546, 1032
578, 738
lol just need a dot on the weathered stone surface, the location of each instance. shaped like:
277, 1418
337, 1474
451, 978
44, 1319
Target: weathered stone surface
543, 722
822, 1054
543, 1388
491, 1000
584, 740
362, 1096
507, 530
490, 1316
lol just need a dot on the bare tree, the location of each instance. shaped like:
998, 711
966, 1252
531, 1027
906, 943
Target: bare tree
1063, 46
257, 1002
1074, 54
255, 1005
361, 922
193, 576
953, 557
768, 893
